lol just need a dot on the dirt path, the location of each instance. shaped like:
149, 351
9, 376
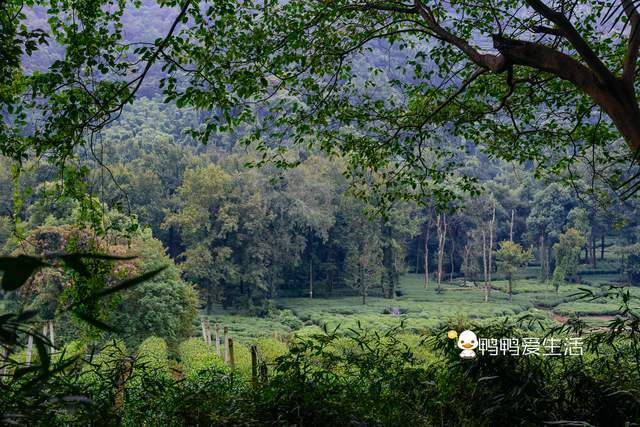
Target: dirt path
563, 319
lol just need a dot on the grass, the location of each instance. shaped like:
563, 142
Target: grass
422, 308
246, 328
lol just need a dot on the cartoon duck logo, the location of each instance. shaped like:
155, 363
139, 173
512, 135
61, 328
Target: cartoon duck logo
467, 342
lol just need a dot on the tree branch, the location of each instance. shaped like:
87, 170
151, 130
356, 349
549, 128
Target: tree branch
477, 73
631, 57
571, 34
547, 30
543, 58
384, 6
490, 62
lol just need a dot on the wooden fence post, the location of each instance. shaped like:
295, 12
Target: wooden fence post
254, 365
218, 339
52, 336
204, 329
232, 360
226, 344
208, 332
27, 359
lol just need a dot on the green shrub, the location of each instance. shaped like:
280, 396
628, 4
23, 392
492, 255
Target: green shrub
154, 354
196, 356
287, 318
269, 349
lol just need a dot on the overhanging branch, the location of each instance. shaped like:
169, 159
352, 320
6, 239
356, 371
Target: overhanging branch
577, 41
490, 62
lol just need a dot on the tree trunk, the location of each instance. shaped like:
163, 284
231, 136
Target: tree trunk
615, 95
484, 265
465, 261
602, 246
441, 226
549, 271
331, 283
452, 255
490, 254
511, 225
389, 265
363, 286
310, 277
543, 254
417, 267
426, 254
593, 250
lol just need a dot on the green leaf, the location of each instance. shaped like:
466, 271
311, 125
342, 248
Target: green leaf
43, 354
94, 322
124, 285
74, 261
17, 270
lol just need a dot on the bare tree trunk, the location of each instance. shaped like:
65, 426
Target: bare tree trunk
441, 226
549, 262
426, 253
543, 255
465, 262
511, 225
593, 249
490, 254
363, 286
484, 265
310, 278
417, 267
452, 255
602, 246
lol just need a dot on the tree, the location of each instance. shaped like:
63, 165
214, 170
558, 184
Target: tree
550, 207
547, 59
510, 258
630, 255
309, 191
203, 221
395, 230
364, 266
164, 305
535, 93
364, 250
567, 252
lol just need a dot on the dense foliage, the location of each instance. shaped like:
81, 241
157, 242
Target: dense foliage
315, 152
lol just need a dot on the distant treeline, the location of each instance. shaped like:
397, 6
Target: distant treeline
246, 235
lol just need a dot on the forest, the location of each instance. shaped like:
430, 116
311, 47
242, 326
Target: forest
294, 213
